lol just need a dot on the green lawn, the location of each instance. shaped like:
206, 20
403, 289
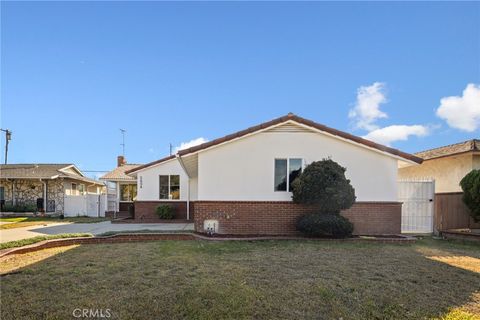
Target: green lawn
19, 222
247, 280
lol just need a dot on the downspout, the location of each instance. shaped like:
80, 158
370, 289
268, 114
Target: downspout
179, 158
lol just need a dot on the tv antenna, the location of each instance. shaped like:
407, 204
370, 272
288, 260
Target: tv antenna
123, 141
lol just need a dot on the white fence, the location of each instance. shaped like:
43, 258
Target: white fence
418, 205
92, 205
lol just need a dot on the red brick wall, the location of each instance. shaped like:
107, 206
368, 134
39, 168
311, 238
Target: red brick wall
145, 210
278, 218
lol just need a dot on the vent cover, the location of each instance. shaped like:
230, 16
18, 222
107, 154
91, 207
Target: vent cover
288, 127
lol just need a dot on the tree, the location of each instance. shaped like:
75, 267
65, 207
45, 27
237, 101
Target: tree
323, 184
471, 193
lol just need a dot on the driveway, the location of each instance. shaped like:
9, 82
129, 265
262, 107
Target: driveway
93, 228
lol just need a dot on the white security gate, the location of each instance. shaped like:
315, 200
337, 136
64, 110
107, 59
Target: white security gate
92, 205
417, 209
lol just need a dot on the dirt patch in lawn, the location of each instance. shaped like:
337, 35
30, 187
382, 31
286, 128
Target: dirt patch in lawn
239, 280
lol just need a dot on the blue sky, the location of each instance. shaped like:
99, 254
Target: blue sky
73, 73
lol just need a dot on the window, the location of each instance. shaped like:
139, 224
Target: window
81, 189
128, 192
73, 191
286, 170
169, 187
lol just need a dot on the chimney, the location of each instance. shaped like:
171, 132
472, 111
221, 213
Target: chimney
121, 161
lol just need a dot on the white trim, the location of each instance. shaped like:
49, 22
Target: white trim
288, 169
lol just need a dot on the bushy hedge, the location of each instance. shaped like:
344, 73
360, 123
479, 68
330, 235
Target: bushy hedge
165, 211
471, 193
20, 208
323, 184
325, 225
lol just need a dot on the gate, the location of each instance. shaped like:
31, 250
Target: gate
418, 205
92, 205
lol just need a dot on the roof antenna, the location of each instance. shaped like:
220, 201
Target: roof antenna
123, 141
171, 148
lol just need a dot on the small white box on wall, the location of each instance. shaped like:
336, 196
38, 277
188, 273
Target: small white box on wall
210, 226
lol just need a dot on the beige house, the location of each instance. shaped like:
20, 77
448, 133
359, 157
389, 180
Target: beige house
42, 187
121, 188
447, 165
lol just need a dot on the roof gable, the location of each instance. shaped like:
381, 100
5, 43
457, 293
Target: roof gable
290, 123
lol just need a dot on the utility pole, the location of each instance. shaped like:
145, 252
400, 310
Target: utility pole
8, 137
123, 141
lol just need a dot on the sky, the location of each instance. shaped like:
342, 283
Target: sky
74, 73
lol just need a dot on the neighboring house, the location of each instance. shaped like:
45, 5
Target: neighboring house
446, 165
243, 181
121, 188
43, 186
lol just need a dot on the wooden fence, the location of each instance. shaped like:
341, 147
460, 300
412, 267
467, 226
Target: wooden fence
452, 213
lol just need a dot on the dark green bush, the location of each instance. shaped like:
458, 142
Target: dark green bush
331, 225
323, 184
471, 193
165, 211
19, 208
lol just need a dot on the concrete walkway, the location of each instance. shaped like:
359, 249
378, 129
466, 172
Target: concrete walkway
93, 228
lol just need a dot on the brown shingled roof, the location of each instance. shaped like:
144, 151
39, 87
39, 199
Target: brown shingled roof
41, 171
289, 117
461, 147
119, 173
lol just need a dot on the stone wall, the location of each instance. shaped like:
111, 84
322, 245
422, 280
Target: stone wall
27, 191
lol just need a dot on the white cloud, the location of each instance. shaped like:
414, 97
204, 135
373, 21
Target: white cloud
191, 143
462, 112
367, 107
389, 134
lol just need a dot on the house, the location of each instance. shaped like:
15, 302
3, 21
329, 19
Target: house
241, 183
43, 187
121, 188
447, 165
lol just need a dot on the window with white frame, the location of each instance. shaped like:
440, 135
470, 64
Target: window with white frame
286, 170
169, 187
81, 189
73, 190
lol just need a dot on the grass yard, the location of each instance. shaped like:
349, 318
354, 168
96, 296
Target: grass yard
27, 241
245, 280
20, 222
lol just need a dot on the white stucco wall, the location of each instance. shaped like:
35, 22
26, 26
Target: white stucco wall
244, 169
150, 184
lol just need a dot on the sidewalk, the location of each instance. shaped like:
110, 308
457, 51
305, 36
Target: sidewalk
93, 228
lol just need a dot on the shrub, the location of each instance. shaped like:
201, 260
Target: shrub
165, 211
131, 210
323, 184
325, 225
471, 193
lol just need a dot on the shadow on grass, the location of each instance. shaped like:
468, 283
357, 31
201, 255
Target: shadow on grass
236, 280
